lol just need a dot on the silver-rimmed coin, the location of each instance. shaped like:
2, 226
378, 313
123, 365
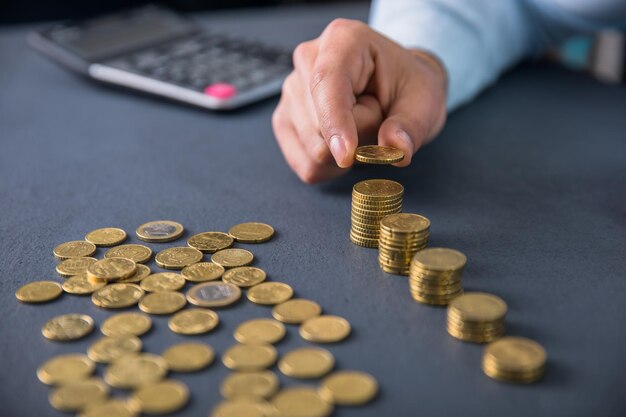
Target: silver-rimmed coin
213, 294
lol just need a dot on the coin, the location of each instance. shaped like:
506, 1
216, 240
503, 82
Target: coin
134, 371
74, 249
213, 294
301, 402
163, 302
193, 321
249, 357
113, 407
141, 272
160, 231
74, 266
82, 285
202, 272
107, 236
379, 155
134, 324
325, 329
163, 281
296, 311
188, 357
440, 259
514, 359
240, 408
269, 293
110, 348
178, 258
377, 189
349, 388
67, 327
252, 385
259, 331
138, 253
64, 369
39, 292
244, 276
111, 269
210, 242
161, 398
231, 258
79, 395
306, 363
117, 295
477, 307
251, 232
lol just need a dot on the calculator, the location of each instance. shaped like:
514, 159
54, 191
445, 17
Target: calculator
154, 50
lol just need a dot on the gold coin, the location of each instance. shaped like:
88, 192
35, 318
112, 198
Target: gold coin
193, 321
241, 408
107, 236
188, 357
376, 190
67, 327
134, 371
405, 223
111, 348
39, 292
477, 307
74, 249
64, 369
379, 155
244, 276
202, 272
325, 329
111, 269
252, 385
117, 295
160, 231
178, 258
231, 258
163, 281
79, 395
74, 266
269, 293
213, 294
210, 242
251, 232
439, 259
301, 402
134, 324
307, 363
349, 388
113, 407
138, 253
162, 398
296, 311
259, 331
515, 359
141, 272
249, 357
81, 285
164, 302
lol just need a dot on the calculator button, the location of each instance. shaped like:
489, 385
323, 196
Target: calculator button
220, 90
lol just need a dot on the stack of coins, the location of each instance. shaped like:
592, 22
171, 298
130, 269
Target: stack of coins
476, 317
371, 201
514, 359
401, 235
435, 275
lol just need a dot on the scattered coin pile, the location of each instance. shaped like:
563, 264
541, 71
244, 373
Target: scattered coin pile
120, 280
401, 236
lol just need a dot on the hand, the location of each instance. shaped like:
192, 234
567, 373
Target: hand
354, 86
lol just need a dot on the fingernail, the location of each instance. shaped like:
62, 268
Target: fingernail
407, 140
338, 148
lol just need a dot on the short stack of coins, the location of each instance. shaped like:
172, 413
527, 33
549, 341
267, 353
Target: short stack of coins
401, 236
435, 275
514, 359
371, 201
476, 317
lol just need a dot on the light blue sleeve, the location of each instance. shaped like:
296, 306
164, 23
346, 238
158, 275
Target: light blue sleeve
477, 40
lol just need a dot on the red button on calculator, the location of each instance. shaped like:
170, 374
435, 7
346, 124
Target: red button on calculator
220, 90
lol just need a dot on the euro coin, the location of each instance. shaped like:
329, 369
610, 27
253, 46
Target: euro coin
514, 359
210, 242
244, 276
111, 269
193, 321
178, 258
162, 398
39, 292
202, 272
349, 388
82, 285
65, 369
440, 259
249, 357
138, 253
74, 266
117, 295
301, 402
377, 190
74, 249
163, 302
163, 281
259, 331
231, 258
111, 348
325, 329
477, 307
188, 357
251, 385
79, 395
296, 311
107, 236
135, 371
68, 327
141, 272
112, 407
252, 232
131, 323
270, 293
306, 363
378, 155
213, 294
160, 231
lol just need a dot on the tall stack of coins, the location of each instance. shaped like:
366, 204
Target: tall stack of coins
435, 275
514, 359
401, 235
476, 317
371, 201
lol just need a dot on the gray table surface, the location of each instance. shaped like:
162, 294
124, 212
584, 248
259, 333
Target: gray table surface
529, 182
